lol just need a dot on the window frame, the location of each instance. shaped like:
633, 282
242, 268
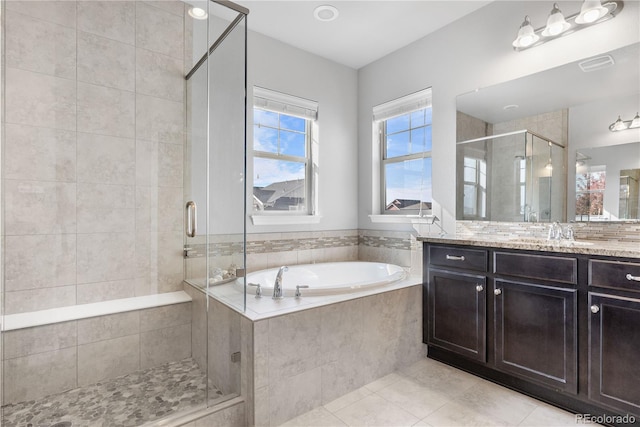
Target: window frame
405, 105
287, 105
480, 191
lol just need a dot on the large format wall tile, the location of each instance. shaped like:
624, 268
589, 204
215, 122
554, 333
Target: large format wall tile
108, 359
39, 375
39, 100
105, 291
159, 75
59, 12
159, 31
104, 208
39, 261
106, 111
39, 154
295, 395
39, 299
164, 317
106, 159
169, 261
164, 345
46, 48
38, 207
111, 19
108, 327
41, 339
170, 165
106, 62
105, 257
159, 120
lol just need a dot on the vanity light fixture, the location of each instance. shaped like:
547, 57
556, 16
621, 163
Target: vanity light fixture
325, 13
620, 124
198, 13
592, 12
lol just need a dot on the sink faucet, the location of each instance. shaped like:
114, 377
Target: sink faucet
277, 286
556, 232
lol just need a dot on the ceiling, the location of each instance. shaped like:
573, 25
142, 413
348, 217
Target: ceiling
557, 88
364, 31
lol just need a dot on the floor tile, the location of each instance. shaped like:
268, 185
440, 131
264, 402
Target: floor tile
373, 410
347, 399
319, 417
414, 398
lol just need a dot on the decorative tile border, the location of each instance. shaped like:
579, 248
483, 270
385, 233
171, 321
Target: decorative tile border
606, 231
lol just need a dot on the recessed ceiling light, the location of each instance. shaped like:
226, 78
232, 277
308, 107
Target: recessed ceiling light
510, 107
325, 13
197, 13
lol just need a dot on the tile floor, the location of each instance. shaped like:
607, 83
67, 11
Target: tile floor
430, 393
126, 401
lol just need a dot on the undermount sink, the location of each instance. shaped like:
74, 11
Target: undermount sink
547, 242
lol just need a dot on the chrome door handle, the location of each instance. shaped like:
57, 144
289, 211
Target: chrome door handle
455, 258
497, 292
191, 218
595, 309
634, 278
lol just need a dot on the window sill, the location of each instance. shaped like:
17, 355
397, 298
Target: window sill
284, 219
403, 219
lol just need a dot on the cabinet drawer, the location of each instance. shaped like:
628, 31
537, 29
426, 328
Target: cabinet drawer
556, 269
469, 259
614, 274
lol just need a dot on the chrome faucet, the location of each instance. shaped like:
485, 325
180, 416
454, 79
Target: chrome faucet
556, 232
277, 286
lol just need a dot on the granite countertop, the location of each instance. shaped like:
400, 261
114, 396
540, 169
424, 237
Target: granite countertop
587, 247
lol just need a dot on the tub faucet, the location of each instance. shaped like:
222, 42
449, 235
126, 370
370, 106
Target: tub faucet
277, 286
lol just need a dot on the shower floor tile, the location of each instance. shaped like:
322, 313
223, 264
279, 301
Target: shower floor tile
129, 400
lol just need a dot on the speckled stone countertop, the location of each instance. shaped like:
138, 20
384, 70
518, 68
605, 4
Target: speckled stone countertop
587, 247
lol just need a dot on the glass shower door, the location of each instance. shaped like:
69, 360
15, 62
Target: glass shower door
214, 184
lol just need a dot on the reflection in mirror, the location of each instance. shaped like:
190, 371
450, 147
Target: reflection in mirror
607, 183
573, 104
514, 176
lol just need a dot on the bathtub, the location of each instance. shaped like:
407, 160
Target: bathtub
327, 278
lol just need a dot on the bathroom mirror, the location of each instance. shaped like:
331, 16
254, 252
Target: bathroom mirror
607, 183
572, 105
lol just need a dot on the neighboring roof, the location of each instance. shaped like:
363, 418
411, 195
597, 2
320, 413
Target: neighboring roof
399, 204
290, 189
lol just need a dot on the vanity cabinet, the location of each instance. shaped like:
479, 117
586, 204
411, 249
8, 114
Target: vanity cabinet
614, 334
559, 326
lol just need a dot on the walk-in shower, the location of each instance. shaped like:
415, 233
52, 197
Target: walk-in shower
122, 130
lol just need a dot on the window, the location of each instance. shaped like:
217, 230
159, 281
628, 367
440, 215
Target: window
590, 187
475, 188
404, 127
282, 163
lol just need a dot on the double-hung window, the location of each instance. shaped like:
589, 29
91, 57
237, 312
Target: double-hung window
282, 146
404, 129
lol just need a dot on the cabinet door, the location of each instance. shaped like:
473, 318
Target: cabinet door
614, 351
536, 333
457, 311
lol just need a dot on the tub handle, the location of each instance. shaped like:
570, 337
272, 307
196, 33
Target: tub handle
298, 287
258, 289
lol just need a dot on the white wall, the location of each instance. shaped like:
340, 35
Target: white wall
467, 54
281, 67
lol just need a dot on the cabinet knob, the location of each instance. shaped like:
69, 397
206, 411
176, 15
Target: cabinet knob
634, 278
497, 292
479, 288
595, 309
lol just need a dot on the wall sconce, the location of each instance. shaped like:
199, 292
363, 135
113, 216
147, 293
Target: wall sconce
620, 124
591, 13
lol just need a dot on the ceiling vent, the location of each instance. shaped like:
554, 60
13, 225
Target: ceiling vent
598, 63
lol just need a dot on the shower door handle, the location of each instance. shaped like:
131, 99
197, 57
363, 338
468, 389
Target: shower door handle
191, 219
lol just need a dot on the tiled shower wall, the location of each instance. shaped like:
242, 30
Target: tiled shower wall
94, 134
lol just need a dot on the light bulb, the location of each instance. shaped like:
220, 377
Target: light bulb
526, 35
635, 123
590, 12
556, 24
618, 125
197, 13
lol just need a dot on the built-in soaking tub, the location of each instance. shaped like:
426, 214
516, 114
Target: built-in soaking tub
328, 278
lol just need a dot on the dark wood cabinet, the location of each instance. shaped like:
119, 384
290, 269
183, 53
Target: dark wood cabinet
457, 311
536, 333
563, 327
614, 351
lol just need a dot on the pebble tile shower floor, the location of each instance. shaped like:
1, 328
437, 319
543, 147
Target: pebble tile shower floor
129, 400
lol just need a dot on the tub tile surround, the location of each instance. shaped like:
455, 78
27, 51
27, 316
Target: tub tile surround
94, 119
